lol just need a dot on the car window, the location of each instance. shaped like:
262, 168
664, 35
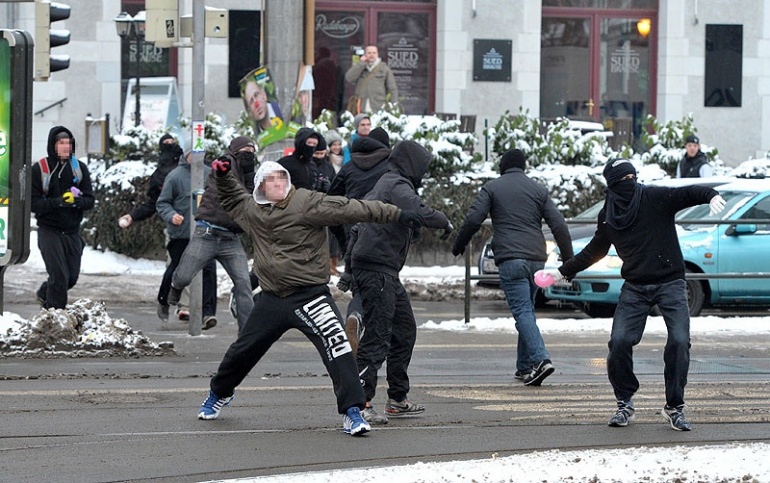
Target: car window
760, 211
733, 201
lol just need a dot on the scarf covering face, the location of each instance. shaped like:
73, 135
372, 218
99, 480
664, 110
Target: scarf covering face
623, 195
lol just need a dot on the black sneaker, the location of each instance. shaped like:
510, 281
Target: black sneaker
675, 417
521, 375
163, 312
40, 294
623, 416
174, 294
542, 370
209, 321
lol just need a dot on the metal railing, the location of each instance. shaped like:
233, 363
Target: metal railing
692, 276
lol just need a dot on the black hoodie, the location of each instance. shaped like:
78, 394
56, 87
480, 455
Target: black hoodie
384, 248
368, 162
298, 163
49, 208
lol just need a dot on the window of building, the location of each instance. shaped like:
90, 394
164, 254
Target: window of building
724, 65
244, 42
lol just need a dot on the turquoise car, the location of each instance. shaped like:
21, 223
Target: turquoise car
730, 249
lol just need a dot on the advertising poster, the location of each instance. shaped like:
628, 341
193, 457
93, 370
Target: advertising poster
260, 101
5, 119
5, 140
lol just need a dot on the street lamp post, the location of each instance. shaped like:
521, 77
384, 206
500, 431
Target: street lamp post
132, 28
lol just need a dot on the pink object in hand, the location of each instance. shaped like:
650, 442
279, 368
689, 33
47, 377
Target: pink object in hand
543, 279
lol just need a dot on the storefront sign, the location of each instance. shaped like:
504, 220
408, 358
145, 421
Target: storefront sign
492, 60
340, 28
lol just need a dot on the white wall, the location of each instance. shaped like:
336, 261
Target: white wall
739, 133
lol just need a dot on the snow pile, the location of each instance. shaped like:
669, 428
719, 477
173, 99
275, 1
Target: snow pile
83, 329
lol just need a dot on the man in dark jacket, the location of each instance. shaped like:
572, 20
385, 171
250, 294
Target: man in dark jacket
217, 236
369, 162
377, 254
299, 163
639, 221
168, 159
173, 206
169, 156
518, 205
61, 192
694, 164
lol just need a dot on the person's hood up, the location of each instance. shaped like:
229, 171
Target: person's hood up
266, 168
302, 136
366, 144
411, 160
53, 134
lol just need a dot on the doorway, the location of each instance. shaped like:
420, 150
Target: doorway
599, 66
404, 35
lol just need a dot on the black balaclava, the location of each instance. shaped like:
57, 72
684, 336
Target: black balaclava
623, 195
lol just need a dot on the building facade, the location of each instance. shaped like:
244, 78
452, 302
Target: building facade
610, 61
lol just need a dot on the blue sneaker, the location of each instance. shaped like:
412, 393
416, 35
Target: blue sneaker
212, 405
353, 423
675, 417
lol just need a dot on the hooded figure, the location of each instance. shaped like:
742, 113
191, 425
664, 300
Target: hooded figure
265, 169
376, 256
623, 194
298, 163
61, 192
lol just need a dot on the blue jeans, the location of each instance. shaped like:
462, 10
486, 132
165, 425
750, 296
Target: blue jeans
226, 248
518, 283
627, 329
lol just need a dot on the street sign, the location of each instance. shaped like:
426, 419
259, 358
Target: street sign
198, 130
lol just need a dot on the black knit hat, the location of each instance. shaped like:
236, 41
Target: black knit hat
321, 146
513, 158
241, 142
618, 169
381, 135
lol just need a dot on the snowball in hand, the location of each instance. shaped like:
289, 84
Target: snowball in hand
544, 279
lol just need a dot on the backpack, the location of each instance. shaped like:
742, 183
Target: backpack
45, 172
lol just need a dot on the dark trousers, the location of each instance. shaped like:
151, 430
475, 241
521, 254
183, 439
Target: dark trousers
627, 329
312, 311
61, 254
390, 332
175, 250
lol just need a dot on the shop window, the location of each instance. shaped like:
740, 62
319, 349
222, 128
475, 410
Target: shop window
724, 65
245, 26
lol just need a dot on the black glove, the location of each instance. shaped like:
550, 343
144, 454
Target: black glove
448, 229
323, 184
458, 249
346, 281
411, 219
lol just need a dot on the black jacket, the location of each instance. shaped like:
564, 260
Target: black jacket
649, 247
298, 164
167, 161
210, 209
368, 162
690, 167
517, 205
384, 248
49, 208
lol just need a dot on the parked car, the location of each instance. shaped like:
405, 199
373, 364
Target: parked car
728, 248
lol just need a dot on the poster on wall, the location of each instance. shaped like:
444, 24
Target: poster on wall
260, 101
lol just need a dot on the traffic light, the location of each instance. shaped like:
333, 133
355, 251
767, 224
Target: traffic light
46, 13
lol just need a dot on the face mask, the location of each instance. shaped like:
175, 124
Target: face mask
245, 157
306, 152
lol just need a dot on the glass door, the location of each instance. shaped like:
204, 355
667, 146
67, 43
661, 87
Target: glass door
598, 66
565, 68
